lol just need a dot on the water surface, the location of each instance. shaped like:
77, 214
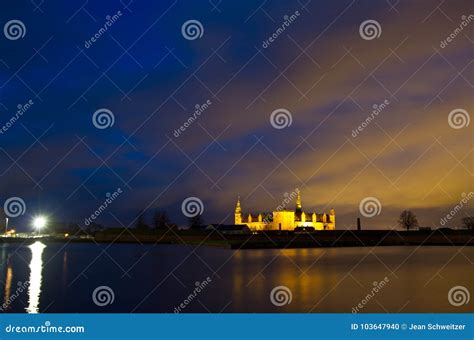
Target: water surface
54, 277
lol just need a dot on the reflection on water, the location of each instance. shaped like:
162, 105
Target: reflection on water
8, 281
36, 267
63, 277
65, 269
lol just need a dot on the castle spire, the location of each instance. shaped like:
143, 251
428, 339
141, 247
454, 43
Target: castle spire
298, 201
238, 209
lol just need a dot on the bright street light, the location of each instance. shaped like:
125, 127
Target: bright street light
39, 222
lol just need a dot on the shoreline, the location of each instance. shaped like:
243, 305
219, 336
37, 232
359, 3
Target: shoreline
271, 239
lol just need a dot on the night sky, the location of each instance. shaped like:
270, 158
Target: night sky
320, 69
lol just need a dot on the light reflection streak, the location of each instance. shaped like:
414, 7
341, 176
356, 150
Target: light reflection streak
36, 276
8, 283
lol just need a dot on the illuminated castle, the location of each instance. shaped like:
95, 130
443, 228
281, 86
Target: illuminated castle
286, 219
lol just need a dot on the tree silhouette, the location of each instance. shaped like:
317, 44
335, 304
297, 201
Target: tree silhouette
196, 222
408, 220
141, 223
161, 220
468, 222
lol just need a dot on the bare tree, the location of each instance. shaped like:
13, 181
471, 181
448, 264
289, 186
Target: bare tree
195, 222
141, 223
468, 222
161, 220
408, 220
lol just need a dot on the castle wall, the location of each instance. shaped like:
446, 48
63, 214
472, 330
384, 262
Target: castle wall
258, 226
287, 223
306, 224
330, 226
284, 220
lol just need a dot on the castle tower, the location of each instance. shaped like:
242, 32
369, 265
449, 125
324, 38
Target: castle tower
332, 217
298, 209
238, 212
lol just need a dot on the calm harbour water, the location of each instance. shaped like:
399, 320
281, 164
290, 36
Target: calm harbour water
53, 277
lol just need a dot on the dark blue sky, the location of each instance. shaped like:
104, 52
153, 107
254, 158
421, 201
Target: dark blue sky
151, 78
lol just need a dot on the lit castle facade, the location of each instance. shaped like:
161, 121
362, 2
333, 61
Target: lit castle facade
286, 219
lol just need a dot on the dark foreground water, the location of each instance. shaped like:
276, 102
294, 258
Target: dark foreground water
53, 277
